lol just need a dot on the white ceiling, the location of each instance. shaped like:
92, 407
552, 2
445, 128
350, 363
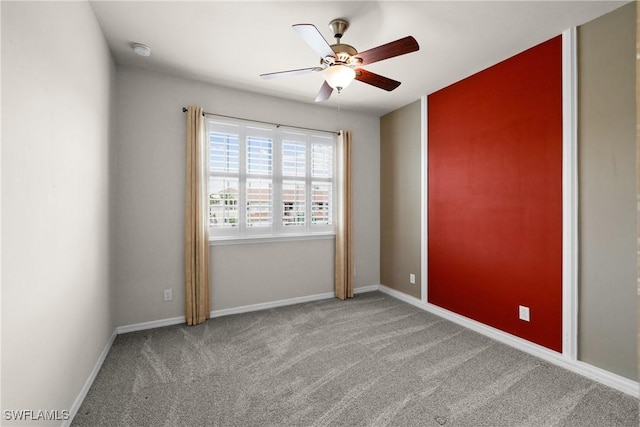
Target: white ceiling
230, 43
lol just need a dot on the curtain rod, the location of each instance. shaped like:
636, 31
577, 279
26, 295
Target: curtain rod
204, 113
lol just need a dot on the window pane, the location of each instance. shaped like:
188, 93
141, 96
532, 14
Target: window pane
294, 158
223, 152
259, 155
321, 201
321, 161
293, 203
259, 203
223, 202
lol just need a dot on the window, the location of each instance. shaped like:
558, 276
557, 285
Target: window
266, 181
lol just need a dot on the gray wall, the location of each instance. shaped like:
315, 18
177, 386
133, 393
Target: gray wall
607, 192
57, 80
400, 193
149, 199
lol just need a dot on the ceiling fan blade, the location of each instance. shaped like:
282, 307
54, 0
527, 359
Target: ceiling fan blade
389, 50
269, 76
314, 39
376, 80
324, 93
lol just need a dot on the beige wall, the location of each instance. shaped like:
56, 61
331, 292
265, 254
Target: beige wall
607, 193
400, 195
277, 271
149, 197
57, 80
638, 167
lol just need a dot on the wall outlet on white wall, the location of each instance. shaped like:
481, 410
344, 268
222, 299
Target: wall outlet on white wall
167, 295
524, 313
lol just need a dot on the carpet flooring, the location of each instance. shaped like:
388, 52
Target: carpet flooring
369, 361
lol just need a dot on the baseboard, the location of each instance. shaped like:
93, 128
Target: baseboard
271, 304
237, 310
87, 384
150, 325
363, 289
602, 376
284, 302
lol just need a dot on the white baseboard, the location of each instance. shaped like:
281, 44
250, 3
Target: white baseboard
87, 384
271, 304
237, 310
363, 289
284, 302
602, 376
150, 325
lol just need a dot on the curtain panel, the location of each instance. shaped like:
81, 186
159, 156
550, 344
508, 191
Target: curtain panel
196, 236
344, 242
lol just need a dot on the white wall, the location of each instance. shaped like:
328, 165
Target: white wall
149, 198
57, 83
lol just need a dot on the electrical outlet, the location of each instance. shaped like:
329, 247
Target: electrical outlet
524, 313
412, 279
167, 295
354, 270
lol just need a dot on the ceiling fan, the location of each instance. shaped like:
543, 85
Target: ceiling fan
341, 63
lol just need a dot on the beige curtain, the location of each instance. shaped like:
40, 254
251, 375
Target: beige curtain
344, 243
196, 231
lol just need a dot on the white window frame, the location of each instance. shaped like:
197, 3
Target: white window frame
277, 230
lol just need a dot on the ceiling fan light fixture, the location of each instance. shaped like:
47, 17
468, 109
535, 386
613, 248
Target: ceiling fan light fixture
339, 76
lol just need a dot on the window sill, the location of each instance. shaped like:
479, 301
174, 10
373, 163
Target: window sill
270, 239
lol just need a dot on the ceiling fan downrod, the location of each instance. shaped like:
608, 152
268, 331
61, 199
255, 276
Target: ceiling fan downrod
338, 27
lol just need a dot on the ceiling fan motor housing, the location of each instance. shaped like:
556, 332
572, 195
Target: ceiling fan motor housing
344, 55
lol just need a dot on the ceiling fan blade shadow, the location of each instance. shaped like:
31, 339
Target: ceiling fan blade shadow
269, 76
324, 93
396, 48
376, 80
314, 39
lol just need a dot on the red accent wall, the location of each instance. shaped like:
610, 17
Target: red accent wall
495, 195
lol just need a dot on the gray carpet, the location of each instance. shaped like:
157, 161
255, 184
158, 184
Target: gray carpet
369, 361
